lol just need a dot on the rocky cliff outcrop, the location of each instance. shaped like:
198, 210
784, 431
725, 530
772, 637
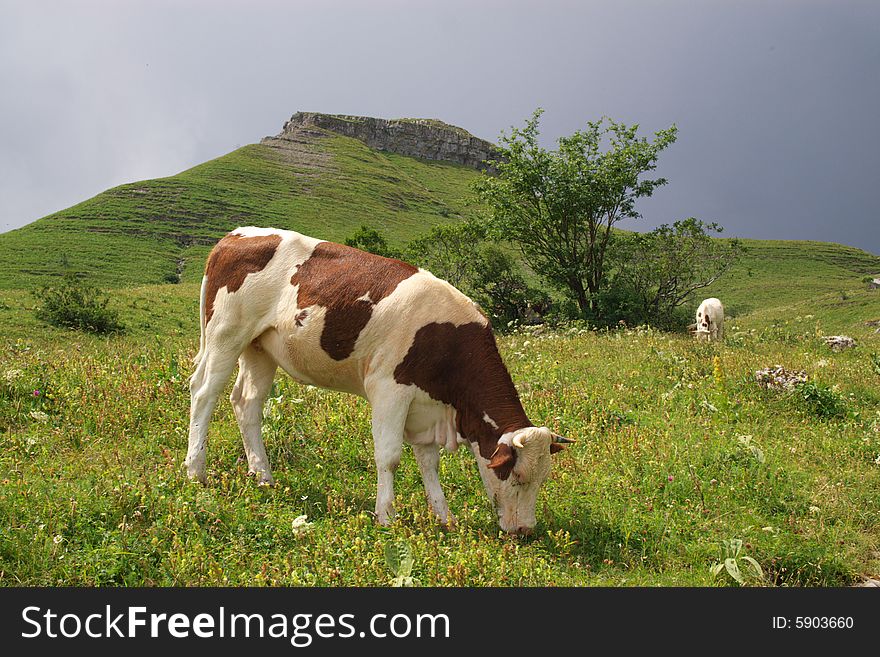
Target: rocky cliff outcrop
428, 139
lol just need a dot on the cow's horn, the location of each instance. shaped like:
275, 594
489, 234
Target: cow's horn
517, 441
561, 439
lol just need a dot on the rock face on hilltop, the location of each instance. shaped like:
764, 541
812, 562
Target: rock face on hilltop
428, 139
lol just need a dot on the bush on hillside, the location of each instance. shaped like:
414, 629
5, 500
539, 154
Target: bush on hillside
371, 240
76, 304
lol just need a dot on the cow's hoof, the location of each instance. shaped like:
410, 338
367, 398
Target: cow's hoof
263, 478
196, 475
450, 524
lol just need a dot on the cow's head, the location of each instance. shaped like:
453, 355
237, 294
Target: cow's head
703, 322
515, 473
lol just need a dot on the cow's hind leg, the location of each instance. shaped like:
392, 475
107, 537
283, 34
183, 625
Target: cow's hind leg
205, 385
255, 374
428, 458
390, 409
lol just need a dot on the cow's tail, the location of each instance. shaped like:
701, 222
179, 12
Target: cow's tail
198, 356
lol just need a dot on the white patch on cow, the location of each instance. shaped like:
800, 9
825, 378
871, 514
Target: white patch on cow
488, 420
257, 231
431, 422
365, 297
507, 438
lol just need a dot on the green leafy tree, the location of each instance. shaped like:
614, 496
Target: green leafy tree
657, 272
371, 240
559, 206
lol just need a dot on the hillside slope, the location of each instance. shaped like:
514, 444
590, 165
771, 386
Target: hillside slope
156, 231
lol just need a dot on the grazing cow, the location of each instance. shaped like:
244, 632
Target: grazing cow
416, 348
710, 320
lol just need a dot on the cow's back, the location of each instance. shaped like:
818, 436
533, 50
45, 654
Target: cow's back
328, 313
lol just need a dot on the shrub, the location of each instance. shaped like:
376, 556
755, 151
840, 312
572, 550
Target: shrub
371, 240
461, 254
76, 304
822, 400
502, 291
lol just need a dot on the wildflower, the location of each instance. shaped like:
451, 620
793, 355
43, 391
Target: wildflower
300, 526
670, 478
39, 416
36, 393
57, 539
814, 509
717, 372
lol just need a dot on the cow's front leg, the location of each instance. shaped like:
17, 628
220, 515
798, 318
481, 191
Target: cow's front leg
389, 418
428, 458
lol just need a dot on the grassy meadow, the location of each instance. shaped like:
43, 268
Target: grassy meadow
678, 450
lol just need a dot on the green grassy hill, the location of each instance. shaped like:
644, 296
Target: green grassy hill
159, 231
786, 281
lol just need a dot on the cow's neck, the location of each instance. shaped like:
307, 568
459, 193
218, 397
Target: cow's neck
490, 407
460, 366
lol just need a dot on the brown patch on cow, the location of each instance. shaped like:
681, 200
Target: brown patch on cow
230, 262
555, 448
300, 317
461, 366
338, 278
502, 457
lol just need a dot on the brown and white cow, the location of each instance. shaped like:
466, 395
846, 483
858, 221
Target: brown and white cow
710, 320
416, 348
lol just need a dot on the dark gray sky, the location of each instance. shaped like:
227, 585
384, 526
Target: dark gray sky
777, 102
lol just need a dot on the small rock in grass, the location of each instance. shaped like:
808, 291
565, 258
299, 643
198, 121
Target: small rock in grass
839, 342
779, 378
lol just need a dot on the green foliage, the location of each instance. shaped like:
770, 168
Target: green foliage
657, 272
462, 255
730, 563
821, 400
399, 559
501, 290
875, 363
371, 240
76, 304
559, 207
450, 251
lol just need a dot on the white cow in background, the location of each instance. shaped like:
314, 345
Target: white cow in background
710, 320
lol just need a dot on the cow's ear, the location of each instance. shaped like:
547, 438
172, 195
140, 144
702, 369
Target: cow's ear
502, 456
556, 447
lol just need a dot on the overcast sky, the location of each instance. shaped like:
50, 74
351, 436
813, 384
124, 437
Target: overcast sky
777, 102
